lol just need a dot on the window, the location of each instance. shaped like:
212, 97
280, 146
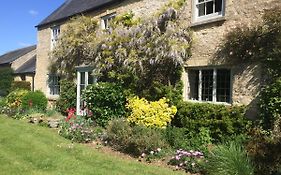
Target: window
105, 20
54, 84
208, 9
55, 36
84, 78
210, 85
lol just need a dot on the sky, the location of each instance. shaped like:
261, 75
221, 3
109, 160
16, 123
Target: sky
18, 19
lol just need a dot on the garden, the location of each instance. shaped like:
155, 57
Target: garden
136, 107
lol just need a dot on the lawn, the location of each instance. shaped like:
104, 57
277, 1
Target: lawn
30, 149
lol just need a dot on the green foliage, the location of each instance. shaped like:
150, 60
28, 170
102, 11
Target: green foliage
6, 79
77, 129
230, 159
221, 121
265, 152
182, 138
127, 20
67, 97
270, 104
150, 114
21, 85
260, 43
134, 140
75, 45
106, 101
36, 100
14, 99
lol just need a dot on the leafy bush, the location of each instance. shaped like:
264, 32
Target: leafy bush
265, 152
6, 79
35, 100
76, 128
67, 97
14, 99
222, 121
106, 101
191, 161
270, 103
21, 85
230, 159
182, 138
134, 140
150, 114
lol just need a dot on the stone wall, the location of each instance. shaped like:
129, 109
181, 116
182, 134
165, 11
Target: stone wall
141, 8
246, 78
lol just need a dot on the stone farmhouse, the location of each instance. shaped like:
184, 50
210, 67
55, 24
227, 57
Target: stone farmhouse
23, 62
207, 77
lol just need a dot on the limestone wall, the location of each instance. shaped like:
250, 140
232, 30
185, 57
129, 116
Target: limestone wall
246, 78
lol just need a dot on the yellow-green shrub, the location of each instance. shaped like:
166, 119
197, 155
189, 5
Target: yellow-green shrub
14, 99
150, 114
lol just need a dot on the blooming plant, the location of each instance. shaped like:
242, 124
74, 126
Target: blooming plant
191, 161
150, 114
76, 128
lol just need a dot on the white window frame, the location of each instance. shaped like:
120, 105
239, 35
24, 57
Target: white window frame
87, 70
214, 90
50, 86
105, 21
195, 12
55, 33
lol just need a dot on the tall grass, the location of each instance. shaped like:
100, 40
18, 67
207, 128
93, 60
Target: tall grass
229, 159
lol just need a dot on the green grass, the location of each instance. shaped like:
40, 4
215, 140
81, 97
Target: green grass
30, 149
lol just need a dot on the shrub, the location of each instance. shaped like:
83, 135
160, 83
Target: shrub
67, 97
6, 79
14, 99
265, 152
182, 138
230, 159
21, 85
222, 121
76, 128
150, 114
134, 140
270, 103
35, 100
105, 101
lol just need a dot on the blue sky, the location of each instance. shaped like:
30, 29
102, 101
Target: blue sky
18, 19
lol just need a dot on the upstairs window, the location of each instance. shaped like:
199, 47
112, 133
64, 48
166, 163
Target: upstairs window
55, 36
213, 85
208, 9
105, 21
54, 84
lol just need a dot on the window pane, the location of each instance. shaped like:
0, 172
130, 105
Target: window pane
82, 81
223, 85
201, 9
200, 0
90, 78
218, 4
193, 77
210, 7
207, 85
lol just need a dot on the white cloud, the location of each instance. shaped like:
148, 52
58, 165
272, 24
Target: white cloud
23, 44
33, 12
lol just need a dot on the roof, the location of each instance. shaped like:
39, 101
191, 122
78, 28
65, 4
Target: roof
27, 67
9, 57
73, 7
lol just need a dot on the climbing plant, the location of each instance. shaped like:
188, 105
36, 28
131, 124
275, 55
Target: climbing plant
137, 56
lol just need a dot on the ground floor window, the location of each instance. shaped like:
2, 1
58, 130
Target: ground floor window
54, 84
84, 78
212, 85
